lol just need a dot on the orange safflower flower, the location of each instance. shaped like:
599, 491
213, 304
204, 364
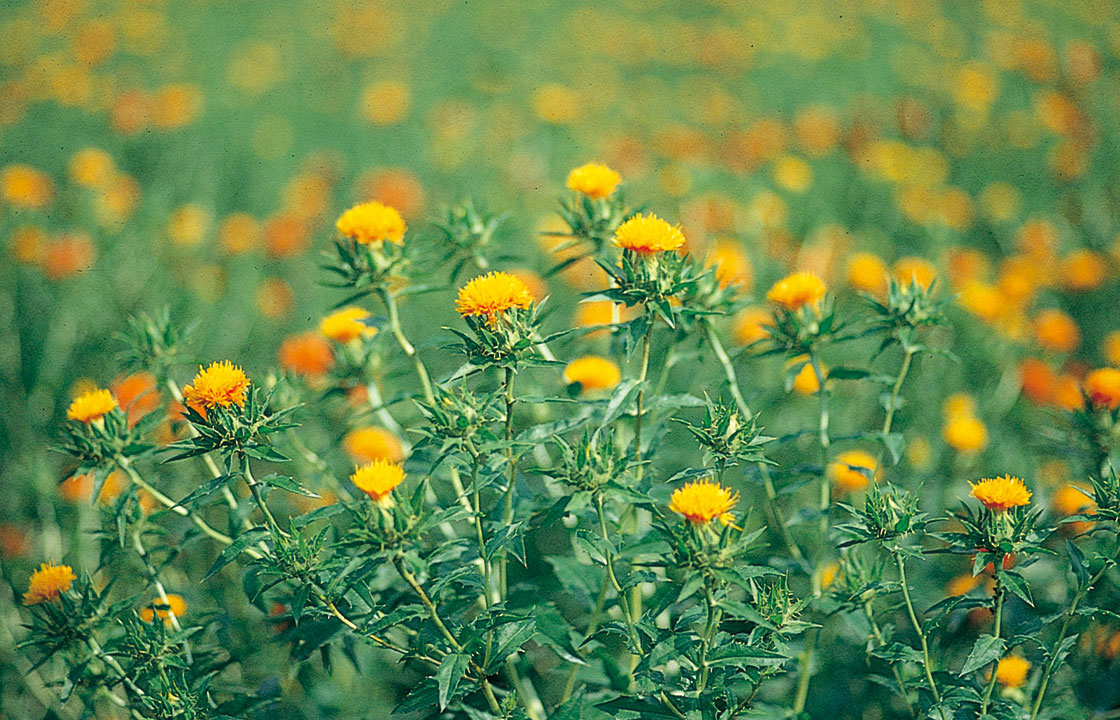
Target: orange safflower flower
491, 295
648, 235
372, 223
366, 444
1001, 493
702, 501
47, 582
797, 290
378, 479
1103, 388
306, 354
592, 372
220, 385
594, 180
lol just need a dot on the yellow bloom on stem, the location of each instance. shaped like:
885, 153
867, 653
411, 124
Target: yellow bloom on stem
366, 444
91, 405
1103, 388
47, 582
346, 324
1001, 493
592, 372
378, 479
702, 501
594, 180
222, 384
797, 290
648, 235
175, 605
372, 223
491, 295
1012, 671
851, 470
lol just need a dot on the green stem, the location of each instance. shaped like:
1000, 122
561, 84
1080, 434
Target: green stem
995, 664
627, 614
745, 411
825, 499
710, 629
178, 509
511, 459
592, 627
926, 662
1070, 614
902, 372
639, 410
877, 633
406, 346
258, 496
805, 665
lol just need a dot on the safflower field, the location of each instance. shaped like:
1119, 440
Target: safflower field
560, 361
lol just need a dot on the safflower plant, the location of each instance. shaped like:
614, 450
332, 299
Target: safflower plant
522, 525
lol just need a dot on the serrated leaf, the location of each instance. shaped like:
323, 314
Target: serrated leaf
986, 650
451, 671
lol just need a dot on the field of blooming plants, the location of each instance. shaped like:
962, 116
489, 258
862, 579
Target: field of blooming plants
559, 361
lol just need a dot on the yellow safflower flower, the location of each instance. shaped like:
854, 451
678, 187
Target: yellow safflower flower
222, 384
648, 235
346, 324
372, 223
592, 372
797, 290
47, 582
491, 295
91, 405
594, 180
378, 479
702, 501
1001, 493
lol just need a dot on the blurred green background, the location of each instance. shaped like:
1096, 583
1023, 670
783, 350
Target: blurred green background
195, 154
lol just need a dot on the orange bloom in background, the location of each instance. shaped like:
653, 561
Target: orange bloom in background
1111, 348
702, 501
346, 324
749, 325
68, 255
732, 266
536, 284
962, 584
26, 187
366, 444
867, 273
1055, 330
1037, 380
1083, 270
1012, 671
914, 269
1001, 493
797, 290
1102, 386
91, 405
594, 180
286, 235
593, 313
1070, 499
47, 582
79, 488
372, 223
965, 433
395, 187
92, 167
592, 372
378, 479
274, 298
806, 381
238, 233
491, 295
851, 470
1067, 393
983, 300
648, 235
13, 541
306, 354
220, 385
137, 394
175, 605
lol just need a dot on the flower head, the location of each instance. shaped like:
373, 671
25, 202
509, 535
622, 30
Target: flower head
703, 500
965, 433
491, 295
851, 470
366, 444
47, 582
175, 605
91, 405
378, 479
306, 354
372, 223
592, 372
1012, 671
222, 384
797, 290
1001, 493
346, 324
593, 180
647, 235
1102, 386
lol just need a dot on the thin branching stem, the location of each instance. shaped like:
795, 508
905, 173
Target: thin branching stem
997, 631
